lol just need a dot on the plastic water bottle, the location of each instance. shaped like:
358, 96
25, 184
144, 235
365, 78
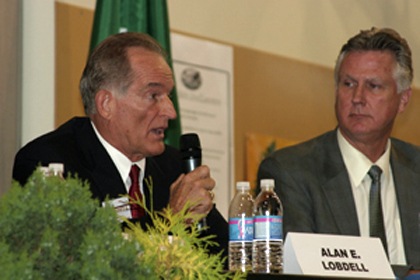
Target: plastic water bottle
241, 230
267, 246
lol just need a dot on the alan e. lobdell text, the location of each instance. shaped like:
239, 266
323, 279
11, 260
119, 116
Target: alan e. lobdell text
342, 260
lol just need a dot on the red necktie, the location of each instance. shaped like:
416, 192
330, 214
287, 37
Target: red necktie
136, 210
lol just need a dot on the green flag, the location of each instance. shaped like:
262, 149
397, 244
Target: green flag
147, 16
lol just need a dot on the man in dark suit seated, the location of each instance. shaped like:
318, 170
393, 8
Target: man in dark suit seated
325, 183
125, 88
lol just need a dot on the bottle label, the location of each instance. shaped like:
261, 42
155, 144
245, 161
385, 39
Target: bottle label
268, 227
241, 229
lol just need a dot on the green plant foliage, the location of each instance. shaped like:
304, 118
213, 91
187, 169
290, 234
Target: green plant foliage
174, 249
52, 229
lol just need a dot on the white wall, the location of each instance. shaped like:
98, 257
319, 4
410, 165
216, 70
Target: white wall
307, 30
38, 68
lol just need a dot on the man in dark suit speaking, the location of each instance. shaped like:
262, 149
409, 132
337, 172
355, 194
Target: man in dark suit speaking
125, 88
356, 180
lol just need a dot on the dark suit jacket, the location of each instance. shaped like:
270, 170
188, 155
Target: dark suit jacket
76, 145
314, 187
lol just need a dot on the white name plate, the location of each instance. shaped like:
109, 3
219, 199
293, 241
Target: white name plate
122, 206
335, 255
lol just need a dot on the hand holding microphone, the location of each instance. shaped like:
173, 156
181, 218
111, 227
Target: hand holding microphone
195, 185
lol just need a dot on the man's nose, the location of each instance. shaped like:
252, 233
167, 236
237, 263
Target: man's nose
359, 95
168, 108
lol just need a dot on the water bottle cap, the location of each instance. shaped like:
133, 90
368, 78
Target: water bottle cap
243, 185
267, 183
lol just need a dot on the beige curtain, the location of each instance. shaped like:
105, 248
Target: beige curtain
10, 87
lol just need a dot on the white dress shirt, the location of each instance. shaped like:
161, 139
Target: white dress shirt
358, 165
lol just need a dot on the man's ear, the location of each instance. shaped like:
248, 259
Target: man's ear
404, 99
104, 102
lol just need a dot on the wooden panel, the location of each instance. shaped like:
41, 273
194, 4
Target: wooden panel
406, 125
273, 95
73, 29
279, 97
10, 89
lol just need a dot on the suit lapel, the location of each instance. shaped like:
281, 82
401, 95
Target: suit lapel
336, 187
341, 203
105, 179
405, 178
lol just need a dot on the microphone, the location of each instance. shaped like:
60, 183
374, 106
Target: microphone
190, 151
190, 147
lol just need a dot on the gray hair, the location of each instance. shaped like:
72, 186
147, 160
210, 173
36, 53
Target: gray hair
108, 66
381, 39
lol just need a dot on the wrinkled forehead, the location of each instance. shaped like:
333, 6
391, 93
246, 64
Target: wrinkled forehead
150, 67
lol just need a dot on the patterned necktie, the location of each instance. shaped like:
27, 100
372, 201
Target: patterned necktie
136, 210
376, 219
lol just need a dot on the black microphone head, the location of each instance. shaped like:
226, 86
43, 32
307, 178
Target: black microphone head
189, 145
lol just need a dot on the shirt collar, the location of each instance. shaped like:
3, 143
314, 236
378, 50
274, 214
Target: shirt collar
358, 164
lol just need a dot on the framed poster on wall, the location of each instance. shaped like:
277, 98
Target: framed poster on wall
204, 80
